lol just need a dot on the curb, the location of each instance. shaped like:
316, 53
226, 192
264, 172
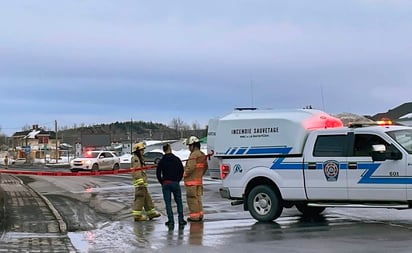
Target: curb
59, 218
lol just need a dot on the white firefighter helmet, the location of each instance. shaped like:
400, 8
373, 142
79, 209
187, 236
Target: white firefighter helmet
138, 146
191, 140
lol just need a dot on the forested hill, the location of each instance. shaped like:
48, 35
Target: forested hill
136, 130
396, 112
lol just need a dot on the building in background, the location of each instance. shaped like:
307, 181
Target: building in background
35, 144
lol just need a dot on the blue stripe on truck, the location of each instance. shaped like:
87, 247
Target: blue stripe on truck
366, 177
268, 150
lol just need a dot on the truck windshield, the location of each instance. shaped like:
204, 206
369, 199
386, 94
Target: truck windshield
403, 137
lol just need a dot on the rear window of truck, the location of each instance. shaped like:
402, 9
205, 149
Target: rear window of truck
330, 146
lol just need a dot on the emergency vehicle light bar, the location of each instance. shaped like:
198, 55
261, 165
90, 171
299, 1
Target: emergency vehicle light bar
370, 123
384, 122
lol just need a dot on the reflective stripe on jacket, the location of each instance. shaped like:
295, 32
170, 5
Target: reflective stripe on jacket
195, 168
139, 177
139, 182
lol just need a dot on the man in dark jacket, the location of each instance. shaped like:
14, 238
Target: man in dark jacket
169, 172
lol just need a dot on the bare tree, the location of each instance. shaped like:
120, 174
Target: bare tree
63, 128
3, 139
195, 125
176, 123
179, 126
26, 127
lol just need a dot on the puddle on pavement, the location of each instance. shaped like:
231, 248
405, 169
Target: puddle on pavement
79, 241
108, 237
125, 236
154, 236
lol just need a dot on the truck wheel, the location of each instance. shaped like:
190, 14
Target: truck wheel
309, 210
264, 203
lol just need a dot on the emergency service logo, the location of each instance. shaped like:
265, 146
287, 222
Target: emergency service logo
237, 169
331, 170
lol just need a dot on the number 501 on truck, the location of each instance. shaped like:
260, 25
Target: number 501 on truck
275, 159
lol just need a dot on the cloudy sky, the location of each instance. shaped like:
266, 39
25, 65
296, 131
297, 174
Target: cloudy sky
102, 61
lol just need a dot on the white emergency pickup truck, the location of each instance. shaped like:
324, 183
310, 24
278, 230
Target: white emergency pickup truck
271, 159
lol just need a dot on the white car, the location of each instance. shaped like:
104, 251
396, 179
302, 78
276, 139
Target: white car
11, 160
96, 160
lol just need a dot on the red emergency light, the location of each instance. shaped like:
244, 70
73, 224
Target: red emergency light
322, 122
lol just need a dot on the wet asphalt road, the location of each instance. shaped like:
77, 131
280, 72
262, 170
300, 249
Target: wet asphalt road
98, 213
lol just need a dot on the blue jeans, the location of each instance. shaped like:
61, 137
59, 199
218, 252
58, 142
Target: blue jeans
169, 188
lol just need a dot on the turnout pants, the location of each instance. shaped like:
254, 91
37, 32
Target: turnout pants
142, 199
194, 201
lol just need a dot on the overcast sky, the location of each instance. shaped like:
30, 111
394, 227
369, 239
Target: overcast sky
102, 61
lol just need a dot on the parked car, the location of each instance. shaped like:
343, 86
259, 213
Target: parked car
19, 161
126, 158
11, 161
95, 160
152, 157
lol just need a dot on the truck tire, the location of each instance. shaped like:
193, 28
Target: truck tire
309, 210
264, 203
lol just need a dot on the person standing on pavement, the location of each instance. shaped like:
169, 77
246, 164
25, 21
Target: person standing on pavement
142, 198
169, 173
6, 162
195, 169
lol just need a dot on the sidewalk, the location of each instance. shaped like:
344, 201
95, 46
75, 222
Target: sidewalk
28, 221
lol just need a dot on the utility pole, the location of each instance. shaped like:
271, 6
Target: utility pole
57, 146
131, 136
323, 100
251, 91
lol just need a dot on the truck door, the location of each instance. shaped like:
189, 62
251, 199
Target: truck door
325, 168
375, 180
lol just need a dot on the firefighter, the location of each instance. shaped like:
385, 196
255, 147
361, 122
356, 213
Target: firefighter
195, 169
142, 198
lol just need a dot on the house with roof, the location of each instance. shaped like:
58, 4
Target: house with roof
35, 144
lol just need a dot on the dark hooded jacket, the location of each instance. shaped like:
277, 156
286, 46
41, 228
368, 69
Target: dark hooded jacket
169, 168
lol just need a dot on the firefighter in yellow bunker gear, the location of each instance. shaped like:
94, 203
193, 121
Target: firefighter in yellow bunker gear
194, 170
142, 198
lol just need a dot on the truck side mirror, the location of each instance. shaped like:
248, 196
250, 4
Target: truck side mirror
378, 152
